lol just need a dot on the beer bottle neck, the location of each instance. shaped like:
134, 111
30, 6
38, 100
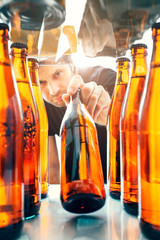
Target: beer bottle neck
4, 53
74, 104
139, 62
33, 70
19, 62
122, 72
155, 59
75, 99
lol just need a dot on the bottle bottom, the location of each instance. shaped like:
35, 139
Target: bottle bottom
131, 208
115, 194
31, 208
44, 195
11, 232
44, 190
149, 230
83, 203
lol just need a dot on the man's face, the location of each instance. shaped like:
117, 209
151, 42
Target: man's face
54, 81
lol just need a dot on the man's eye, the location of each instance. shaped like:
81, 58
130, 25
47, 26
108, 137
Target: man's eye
58, 74
42, 82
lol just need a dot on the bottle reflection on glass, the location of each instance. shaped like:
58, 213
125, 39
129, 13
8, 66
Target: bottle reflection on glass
129, 227
84, 227
82, 183
114, 224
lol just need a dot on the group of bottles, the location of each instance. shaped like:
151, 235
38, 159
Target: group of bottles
23, 137
133, 133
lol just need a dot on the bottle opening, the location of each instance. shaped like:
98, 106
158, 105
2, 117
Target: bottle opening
122, 59
139, 49
19, 45
156, 26
4, 26
33, 60
3, 32
156, 29
138, 45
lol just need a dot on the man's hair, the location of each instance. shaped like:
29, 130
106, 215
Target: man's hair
65, 59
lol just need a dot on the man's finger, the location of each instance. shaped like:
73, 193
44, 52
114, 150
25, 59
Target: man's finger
102, 106
86, 92
93, 100
75, 83
66, 98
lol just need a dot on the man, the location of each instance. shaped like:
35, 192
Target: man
60, 80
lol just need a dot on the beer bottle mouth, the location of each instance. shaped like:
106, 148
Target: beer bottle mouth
138, 45
4, 29
33, 60
4, 26
77, 94
156, 30
33, 63
19, 45
138, 49
156, 26
122, 59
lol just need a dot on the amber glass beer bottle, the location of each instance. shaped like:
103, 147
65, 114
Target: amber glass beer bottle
128, 129
82, 183
31, 163
113, 133
149, 145
11, 145
33, 70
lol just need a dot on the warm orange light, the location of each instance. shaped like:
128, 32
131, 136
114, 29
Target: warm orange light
4, 219
69, 31
16, 20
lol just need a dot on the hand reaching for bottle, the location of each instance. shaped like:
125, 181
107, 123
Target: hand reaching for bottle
93, 96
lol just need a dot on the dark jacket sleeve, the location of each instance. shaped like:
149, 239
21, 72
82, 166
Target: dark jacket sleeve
55, 116
102, 76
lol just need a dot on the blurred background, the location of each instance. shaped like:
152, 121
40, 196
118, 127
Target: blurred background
93, 31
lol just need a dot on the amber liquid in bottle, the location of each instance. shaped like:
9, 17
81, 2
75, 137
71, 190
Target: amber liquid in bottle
149, 145
33, 70
128, 129
31, 161
82, 183
113, 132
11, 145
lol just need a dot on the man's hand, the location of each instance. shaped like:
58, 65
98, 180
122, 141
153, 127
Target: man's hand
93, 96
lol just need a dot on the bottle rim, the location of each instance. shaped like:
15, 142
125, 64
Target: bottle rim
4, 26
19, 45
156, 25
122, 59
138, 45
32, 60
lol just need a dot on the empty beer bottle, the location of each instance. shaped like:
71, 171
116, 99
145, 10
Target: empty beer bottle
82, 183
11, 145
33, 70
113, 132
31, 162
128, 129
149, 145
